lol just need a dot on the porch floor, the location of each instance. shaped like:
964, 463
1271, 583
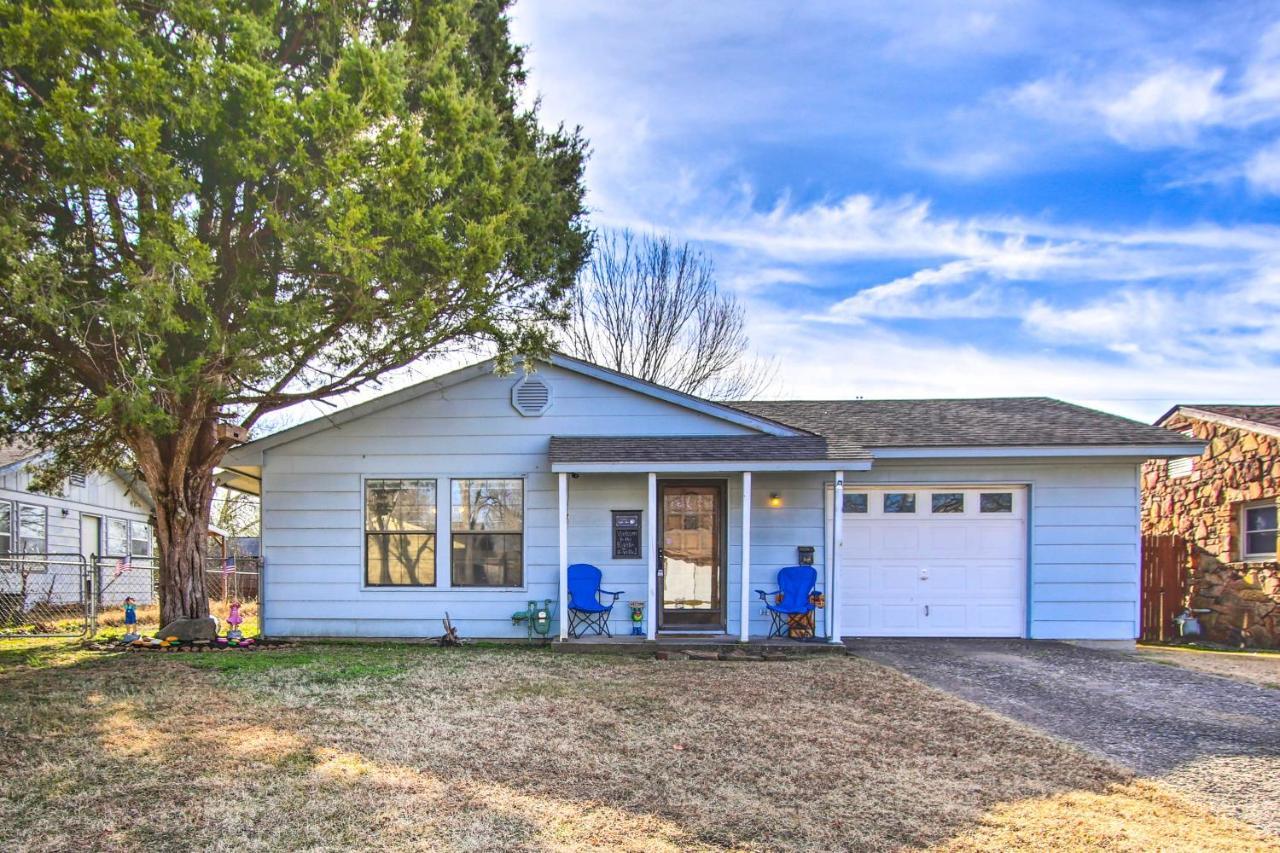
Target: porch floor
627, 644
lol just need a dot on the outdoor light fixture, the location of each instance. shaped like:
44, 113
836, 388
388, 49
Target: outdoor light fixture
775, 499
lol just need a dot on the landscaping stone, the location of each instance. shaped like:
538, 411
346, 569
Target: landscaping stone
189, 630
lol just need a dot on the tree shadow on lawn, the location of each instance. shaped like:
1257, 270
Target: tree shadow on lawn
407, 747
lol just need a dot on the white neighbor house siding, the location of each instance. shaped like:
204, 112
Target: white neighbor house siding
312, 503
102, 495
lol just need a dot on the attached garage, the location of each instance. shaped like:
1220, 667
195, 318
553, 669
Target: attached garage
934, 561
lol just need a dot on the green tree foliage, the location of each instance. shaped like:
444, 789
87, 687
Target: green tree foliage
211, 209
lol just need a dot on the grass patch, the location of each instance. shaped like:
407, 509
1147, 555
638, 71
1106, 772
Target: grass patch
392, 746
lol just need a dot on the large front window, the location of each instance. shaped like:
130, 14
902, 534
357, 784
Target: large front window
1260, 530
487, 524
400, 532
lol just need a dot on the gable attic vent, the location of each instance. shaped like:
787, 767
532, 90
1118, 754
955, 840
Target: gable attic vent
531, 396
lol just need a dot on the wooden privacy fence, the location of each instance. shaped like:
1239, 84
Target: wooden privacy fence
1166, 562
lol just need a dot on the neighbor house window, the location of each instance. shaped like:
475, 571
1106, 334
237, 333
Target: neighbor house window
6, 527
855, 501
996, 502
33, 529
139, 539
899, 502
117, 537
400, 532
487, 523
1260, 524
947, 502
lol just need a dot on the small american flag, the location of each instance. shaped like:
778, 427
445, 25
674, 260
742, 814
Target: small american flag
228, 565
122, 565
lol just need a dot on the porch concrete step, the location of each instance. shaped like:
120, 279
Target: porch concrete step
676, 645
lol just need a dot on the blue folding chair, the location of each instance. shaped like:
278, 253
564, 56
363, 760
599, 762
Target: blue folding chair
587, 611
796, 584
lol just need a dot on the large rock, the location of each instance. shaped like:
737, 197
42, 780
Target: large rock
189, 630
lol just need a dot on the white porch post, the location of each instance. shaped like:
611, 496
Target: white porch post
564, 556
837, 533
744, 610
651, 627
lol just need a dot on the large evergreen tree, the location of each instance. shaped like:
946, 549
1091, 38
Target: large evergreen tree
213, 209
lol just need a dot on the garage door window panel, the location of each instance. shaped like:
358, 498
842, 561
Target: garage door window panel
947, 502
996, 502
899, 503
855, 502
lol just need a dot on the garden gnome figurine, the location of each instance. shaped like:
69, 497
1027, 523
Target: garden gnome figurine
234, 619
130, 620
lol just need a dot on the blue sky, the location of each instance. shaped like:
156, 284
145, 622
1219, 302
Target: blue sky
951, 199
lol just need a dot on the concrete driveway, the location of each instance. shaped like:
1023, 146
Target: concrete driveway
1214, 738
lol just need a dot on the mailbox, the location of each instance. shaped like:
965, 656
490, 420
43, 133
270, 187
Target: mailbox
804, 555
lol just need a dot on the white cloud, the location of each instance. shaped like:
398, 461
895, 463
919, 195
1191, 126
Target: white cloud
1263, 169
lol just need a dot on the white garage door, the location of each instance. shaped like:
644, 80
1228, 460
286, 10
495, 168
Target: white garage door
933, 561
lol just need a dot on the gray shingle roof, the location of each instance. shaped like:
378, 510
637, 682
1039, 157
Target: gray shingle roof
700, 448
17, 451
1266, 415
991, 422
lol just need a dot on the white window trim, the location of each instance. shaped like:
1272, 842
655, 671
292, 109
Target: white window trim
106, 536
524, 533
1245, 555
441, 579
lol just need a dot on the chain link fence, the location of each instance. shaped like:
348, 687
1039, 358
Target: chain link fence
45, 595
68, 595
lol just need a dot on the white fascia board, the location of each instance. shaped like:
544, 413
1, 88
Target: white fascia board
1152, 451
1227, 420
708, 467
677, 398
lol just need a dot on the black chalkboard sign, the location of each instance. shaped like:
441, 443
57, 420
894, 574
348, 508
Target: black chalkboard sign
626, 534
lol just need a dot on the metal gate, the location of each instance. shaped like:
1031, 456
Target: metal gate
1166, 560
45, 595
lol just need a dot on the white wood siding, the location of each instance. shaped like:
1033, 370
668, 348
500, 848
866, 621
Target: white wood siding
102, 495
312, 503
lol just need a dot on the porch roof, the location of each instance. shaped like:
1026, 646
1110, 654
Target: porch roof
726, 452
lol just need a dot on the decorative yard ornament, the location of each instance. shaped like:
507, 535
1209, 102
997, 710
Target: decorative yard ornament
130, 620
234, 619
637, 618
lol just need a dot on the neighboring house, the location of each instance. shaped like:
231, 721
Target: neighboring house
1224, 504
102, 517
471, 493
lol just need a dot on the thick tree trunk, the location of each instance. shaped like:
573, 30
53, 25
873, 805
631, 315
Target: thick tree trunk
178, 470
182, 535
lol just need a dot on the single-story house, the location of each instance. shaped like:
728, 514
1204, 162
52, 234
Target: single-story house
471, 493
100, 517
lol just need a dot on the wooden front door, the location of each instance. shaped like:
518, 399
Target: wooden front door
691, 558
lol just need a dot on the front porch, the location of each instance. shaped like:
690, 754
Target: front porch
700, 537
711, 643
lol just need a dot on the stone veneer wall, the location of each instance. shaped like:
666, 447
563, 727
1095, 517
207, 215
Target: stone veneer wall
1204, 508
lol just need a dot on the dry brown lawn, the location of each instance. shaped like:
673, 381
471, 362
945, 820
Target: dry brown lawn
1262, 668
408, 747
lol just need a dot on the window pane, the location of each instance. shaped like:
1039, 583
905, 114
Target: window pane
948, 502
899, 502
117, 537
400, 505
1261, 544
855, 502
6, 527
31, 529
488, 559
139, 539
400, 559
489, 505
1260, 518
996, 502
